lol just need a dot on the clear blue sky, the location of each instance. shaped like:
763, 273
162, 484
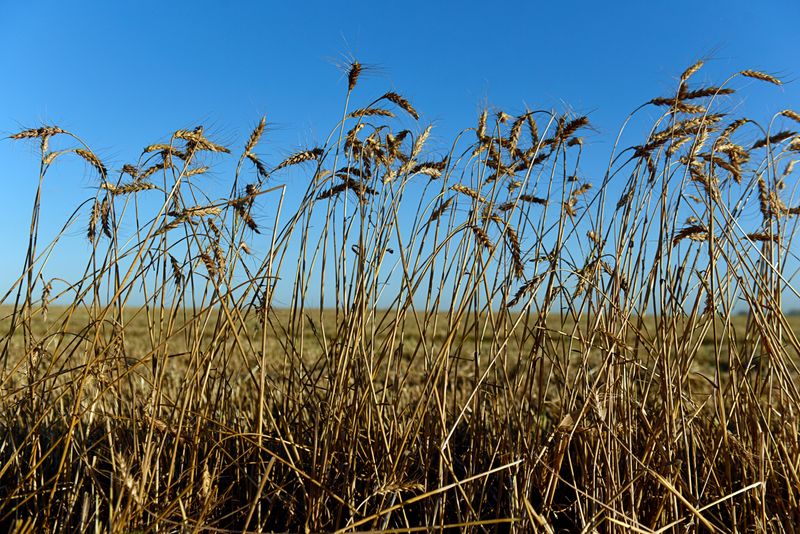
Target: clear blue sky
125, 74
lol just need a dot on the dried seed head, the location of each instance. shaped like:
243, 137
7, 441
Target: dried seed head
175, 223
126, 476
526, 288
481, 129
241, 206
761, 76
360, 189
300, 157
32, 133
690, 71
130, 170
206, 485
773, 139
132, 187
463, 189
732, 127
517, 265
153, 169
440, 209
419, 142
194, 172
533, 199
219, 257
49, 158
582, 189
352, 75
93, 160
695, 232
332, 191
177, 275
431, 168
48, 287
568, 207
762, 237
683, 107
214, 229
482, 237
197, 211
515, 132
789, 168
158, 147
211, 266
770, 202
676, 144
571, 127
371, 112
93, 218
575, 141
259, 165
791, 114
105, 217
196, 141
402, 103
255, 135
706, 91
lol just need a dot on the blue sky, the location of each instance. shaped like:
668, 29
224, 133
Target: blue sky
123, 75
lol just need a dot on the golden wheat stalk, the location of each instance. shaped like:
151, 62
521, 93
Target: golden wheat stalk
795, 116
93, 160
518, 267
105, 216
761, 76
401, 102
439, 210
129, 188
773, 139
433, 169
694, 232
371, 112
241, 206
255, 136
197, 211
153, 169
175, 223
482, 237
195, 172
480, 131
300, 157
762, 237
34, 133
352, 75
468, 191
526, 288
565, 130
199, 142
177, 274
159, 147
691, 70
210, 264
691, 109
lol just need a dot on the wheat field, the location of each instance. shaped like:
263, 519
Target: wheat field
490, 339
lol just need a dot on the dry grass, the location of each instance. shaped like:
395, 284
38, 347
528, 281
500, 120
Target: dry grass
480, 341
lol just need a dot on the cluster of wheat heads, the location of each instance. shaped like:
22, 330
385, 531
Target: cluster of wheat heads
480, 340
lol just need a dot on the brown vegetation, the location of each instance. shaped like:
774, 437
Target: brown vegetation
481, 341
